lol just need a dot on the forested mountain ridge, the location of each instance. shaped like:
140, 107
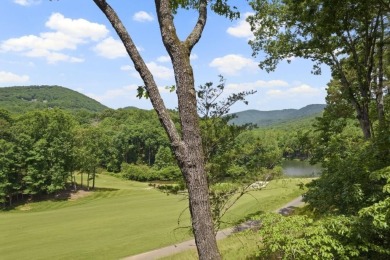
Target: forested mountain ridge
275, 117
20, 99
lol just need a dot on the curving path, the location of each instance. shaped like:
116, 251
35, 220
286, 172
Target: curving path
173, 249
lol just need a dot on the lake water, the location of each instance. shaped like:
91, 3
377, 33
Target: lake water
295, 168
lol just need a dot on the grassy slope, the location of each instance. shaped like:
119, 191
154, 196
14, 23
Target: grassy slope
123, 219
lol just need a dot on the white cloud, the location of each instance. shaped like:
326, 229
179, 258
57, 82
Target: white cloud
110, 48
275, 92
305, 90
131, 70
164, 90
159, 71
27, 2
68, 34
256, 85
52, 57
126, 68
232, 64
126, 92
163, 59
193, 56
142, 16
77, 28
293, 96
301, 90
241, 29
46, 41
123, 92
127, 96
9, 77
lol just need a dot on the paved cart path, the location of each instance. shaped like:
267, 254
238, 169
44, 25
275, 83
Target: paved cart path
174, 249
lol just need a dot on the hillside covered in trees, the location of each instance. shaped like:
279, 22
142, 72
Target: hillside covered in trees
26, 98
275, 117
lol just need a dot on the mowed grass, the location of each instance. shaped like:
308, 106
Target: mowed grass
121, 218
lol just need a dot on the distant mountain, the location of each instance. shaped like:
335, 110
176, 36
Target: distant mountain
131, 108
275, 117
25, 98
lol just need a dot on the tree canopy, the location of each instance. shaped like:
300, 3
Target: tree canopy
349, 36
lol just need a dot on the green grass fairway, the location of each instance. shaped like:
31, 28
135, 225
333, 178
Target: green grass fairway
121, 218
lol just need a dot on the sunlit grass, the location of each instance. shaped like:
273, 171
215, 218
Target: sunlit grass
121, 218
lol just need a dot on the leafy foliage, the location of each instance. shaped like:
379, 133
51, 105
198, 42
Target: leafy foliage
220, 7
299, 237
348, 36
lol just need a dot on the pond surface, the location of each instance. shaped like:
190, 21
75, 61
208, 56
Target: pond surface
295, 168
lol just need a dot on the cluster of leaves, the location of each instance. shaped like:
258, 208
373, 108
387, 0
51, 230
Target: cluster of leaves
37, 153
300, 237
220, 7
355, 180
364, 234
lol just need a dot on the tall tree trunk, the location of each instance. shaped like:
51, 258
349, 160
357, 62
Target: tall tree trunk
88, 178
362, 113
188, 148
379, 87
93, 178
361, 107
193, 167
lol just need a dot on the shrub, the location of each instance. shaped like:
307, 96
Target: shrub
142, 172
137, 172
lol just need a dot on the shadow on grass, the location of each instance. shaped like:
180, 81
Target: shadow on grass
287, 211
60, 196
248, 222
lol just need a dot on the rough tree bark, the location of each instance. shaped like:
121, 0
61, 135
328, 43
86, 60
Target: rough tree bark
188, 147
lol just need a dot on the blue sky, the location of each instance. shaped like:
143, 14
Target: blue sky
70, 43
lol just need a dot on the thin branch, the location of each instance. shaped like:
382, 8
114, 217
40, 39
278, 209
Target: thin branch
181, 214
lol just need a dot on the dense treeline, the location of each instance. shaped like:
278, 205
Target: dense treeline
43, 151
